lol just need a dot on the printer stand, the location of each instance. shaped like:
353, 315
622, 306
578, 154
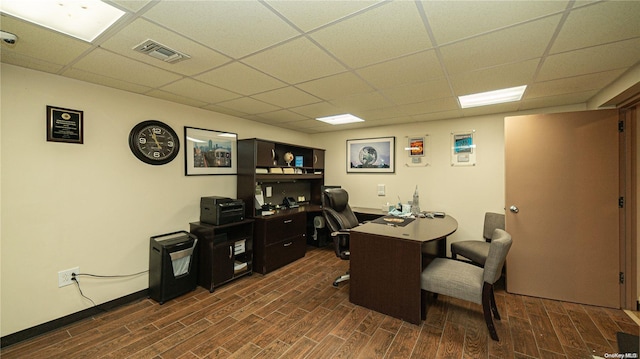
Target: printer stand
225, 252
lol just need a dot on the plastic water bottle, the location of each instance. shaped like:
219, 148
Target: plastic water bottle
415, 204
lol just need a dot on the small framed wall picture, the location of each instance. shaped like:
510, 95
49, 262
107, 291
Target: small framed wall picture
210, 152
64, 125
373, 155
463, 148
417, 151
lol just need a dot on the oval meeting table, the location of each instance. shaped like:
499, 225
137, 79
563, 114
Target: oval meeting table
386, 261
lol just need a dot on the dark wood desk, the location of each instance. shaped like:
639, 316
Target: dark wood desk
386, 263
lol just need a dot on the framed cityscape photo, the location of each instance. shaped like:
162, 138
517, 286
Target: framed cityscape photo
209, 152
64, 125
371, 155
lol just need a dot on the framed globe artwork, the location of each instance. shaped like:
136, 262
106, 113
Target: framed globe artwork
371, 155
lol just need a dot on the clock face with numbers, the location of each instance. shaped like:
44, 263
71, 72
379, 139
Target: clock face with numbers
154, 142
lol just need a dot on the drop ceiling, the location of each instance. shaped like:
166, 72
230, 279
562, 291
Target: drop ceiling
285, 63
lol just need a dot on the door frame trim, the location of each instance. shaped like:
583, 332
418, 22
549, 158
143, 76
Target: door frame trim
629, 219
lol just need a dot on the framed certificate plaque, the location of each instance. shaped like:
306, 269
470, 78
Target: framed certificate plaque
64, 125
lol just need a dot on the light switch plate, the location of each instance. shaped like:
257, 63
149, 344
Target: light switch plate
381, 190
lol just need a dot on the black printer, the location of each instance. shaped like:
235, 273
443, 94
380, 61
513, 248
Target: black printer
221, 210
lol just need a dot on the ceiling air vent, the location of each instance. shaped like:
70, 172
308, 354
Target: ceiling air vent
160, 52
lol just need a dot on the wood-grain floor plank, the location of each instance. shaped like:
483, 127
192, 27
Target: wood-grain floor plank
295, 312
404, 342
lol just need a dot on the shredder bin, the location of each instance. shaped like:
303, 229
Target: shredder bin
172, 265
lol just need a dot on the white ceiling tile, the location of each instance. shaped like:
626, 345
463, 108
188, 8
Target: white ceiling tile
287, 97
35, 63
281, 116
599, 23
240, 78
202, 58
571, 84
175, 98
308, 15
514, 44
226, 111
235, 28
199, 91
132, 5
304, 124
371, 58
105, 80
362, 102
444, 115
382, 113
320, 109
37, 42
487, 110
418, 92
107, 64
248, 105
295, 61
405, 70
336, 86
455, 20
494, 78
431, 106
590, 60
388, 31
557, 100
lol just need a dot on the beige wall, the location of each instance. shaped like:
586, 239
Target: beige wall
95, 205
465, 192
92, 205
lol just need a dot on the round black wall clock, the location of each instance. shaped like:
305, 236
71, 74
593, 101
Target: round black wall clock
154, 142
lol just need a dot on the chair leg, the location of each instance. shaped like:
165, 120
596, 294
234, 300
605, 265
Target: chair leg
423, 304
487, 293
342, 278
494, 308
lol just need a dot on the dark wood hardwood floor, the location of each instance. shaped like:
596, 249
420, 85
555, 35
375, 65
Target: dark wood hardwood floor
295, 312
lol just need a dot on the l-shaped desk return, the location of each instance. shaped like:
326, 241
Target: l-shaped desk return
386, 262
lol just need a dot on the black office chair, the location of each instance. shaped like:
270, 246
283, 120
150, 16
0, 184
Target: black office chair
339, 219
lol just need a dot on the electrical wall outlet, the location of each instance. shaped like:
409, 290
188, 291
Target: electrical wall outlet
64, 276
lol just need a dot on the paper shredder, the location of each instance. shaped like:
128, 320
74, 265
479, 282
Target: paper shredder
172, 265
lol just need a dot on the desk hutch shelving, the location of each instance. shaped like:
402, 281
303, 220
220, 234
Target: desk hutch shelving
279, 238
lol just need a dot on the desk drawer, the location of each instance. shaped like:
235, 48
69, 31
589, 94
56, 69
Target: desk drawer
276, 229
284, 252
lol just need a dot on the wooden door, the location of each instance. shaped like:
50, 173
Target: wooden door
562, 179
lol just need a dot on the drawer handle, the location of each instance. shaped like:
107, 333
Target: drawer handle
288, 244
230, 252
288, 221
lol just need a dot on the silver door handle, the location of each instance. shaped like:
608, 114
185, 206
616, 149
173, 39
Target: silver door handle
514, 209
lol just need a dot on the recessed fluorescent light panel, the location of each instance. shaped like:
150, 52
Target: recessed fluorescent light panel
82, 19
492, 97
340, 119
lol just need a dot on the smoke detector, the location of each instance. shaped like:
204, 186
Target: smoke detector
160, 52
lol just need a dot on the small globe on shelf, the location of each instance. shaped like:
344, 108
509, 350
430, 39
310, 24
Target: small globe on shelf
288, 157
